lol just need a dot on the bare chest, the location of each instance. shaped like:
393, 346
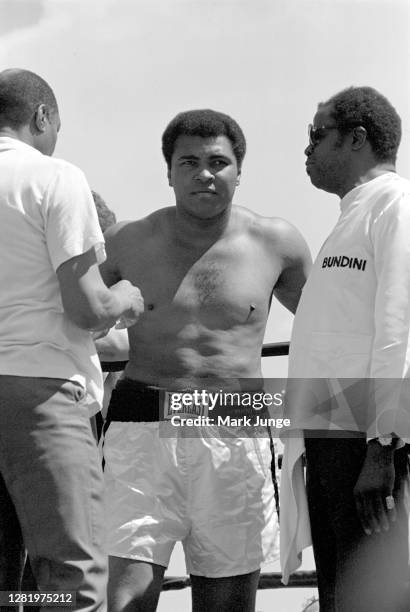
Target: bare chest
228, 282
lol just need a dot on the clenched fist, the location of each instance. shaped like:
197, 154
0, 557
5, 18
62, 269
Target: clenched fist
132, 300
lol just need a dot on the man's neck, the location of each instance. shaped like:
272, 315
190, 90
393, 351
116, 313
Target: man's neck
366, 174
196, 232
22, 134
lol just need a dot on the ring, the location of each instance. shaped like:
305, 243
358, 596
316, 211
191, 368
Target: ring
390, 502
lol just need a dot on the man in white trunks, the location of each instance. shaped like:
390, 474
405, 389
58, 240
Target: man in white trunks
207, 270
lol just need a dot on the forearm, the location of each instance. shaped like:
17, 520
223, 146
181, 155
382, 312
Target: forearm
390, 359
103, 309
114, 346
374, 488
88, 302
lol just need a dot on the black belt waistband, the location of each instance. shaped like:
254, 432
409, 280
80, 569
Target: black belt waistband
135, 401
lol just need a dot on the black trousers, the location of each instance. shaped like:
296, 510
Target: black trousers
356, 572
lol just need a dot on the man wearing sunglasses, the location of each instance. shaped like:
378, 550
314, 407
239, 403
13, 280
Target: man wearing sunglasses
350, 347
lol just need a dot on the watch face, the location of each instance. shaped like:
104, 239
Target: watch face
385, 440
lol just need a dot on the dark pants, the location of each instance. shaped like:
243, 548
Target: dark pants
51, 490
356, 573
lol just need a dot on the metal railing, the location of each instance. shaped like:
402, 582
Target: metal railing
266, 580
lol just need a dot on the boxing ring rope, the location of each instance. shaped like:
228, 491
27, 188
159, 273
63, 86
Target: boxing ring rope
266, 580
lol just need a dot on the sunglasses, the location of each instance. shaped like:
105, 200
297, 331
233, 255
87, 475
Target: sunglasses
317, 133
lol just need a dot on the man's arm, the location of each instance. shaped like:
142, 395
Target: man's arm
296, 264
109, 268
75, 246
114, 346
87, 300
374, 488
389, 364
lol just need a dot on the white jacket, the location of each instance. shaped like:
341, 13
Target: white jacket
352, 329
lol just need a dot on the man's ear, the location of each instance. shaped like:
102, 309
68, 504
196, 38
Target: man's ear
359, 137
41, 117
238, 178
169, 177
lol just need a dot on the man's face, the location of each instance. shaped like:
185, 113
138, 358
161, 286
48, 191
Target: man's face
204, 174
328, 158
46, 141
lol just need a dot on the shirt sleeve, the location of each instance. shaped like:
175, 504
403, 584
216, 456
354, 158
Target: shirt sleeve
70, 215
391, 348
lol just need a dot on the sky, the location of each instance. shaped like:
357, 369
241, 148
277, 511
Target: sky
121, 69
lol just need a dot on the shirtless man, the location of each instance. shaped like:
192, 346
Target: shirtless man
207, 270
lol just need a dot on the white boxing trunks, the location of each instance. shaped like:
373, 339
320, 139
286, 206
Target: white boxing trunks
214, 494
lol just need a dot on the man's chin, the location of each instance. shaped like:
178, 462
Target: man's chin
209, 216
315, 180
207, 212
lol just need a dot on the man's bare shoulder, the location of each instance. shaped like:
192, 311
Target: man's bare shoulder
142, 229
285, 245
274, 230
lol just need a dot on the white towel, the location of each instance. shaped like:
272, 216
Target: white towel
294, 516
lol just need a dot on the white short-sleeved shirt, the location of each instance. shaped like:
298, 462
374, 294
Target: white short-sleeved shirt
47, 216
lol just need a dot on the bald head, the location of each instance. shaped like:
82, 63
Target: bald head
21, 93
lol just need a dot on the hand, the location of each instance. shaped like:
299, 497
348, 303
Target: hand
133, 303
375, 483
97, 335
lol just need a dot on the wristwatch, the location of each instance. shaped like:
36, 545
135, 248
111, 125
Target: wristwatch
385, 440
390, 440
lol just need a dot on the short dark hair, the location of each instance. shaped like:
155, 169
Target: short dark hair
106, 217
21, 93
205, 123
367, 107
